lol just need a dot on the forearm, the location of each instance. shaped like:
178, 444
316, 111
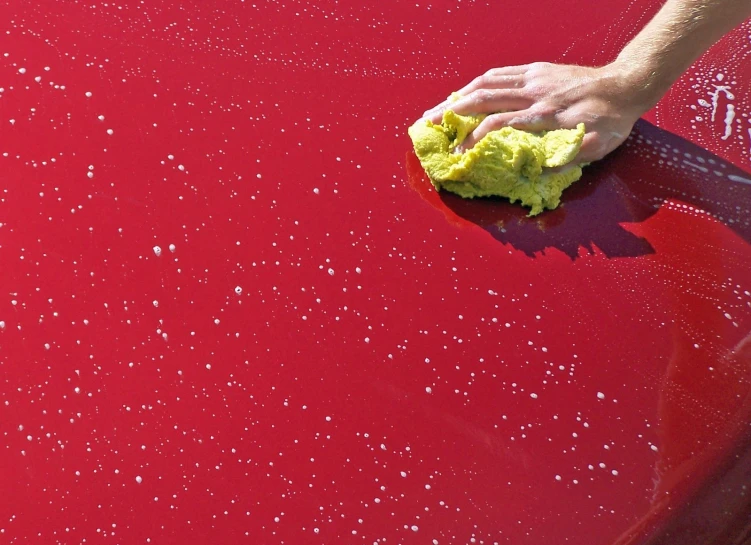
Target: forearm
608, 99
680, 32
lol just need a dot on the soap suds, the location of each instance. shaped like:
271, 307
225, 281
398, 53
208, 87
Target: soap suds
716, 97
739, 179
729, 116
697, 167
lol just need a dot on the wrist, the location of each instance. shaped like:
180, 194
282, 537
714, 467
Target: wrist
641, 84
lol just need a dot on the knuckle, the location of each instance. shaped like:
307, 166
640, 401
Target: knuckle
536, 89
481, 95
547, 111
539, 65
509, 81
482, 81
580, 115
522, 119
495, 121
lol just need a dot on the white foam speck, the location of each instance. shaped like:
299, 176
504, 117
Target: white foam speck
716, 97
729, 117
697, 167
157, 250
739, 179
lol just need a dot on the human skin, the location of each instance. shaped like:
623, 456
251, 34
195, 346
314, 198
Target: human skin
607, 99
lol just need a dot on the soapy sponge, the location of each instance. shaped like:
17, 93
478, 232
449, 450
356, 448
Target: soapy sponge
507, 162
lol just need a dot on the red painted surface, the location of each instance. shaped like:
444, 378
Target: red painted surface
334, 353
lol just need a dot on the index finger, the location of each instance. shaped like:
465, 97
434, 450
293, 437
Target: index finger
506, 77
483, 101
496, 78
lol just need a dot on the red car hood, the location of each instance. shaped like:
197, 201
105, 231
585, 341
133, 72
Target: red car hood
234, 310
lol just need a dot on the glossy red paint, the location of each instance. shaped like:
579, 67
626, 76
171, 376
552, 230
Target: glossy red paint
332, 352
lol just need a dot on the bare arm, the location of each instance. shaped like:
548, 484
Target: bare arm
607, 99
680, 32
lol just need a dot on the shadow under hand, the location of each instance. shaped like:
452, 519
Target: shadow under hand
628, 186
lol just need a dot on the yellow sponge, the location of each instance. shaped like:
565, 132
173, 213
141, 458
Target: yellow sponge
506, 162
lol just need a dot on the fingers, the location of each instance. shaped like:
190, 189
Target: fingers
535, 120
435, 114
490, 123
595, 146
530, 120
508, 70
493, 80
588, 151
487, 101
507, 77
483, 101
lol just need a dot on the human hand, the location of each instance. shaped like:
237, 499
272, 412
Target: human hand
544, 96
